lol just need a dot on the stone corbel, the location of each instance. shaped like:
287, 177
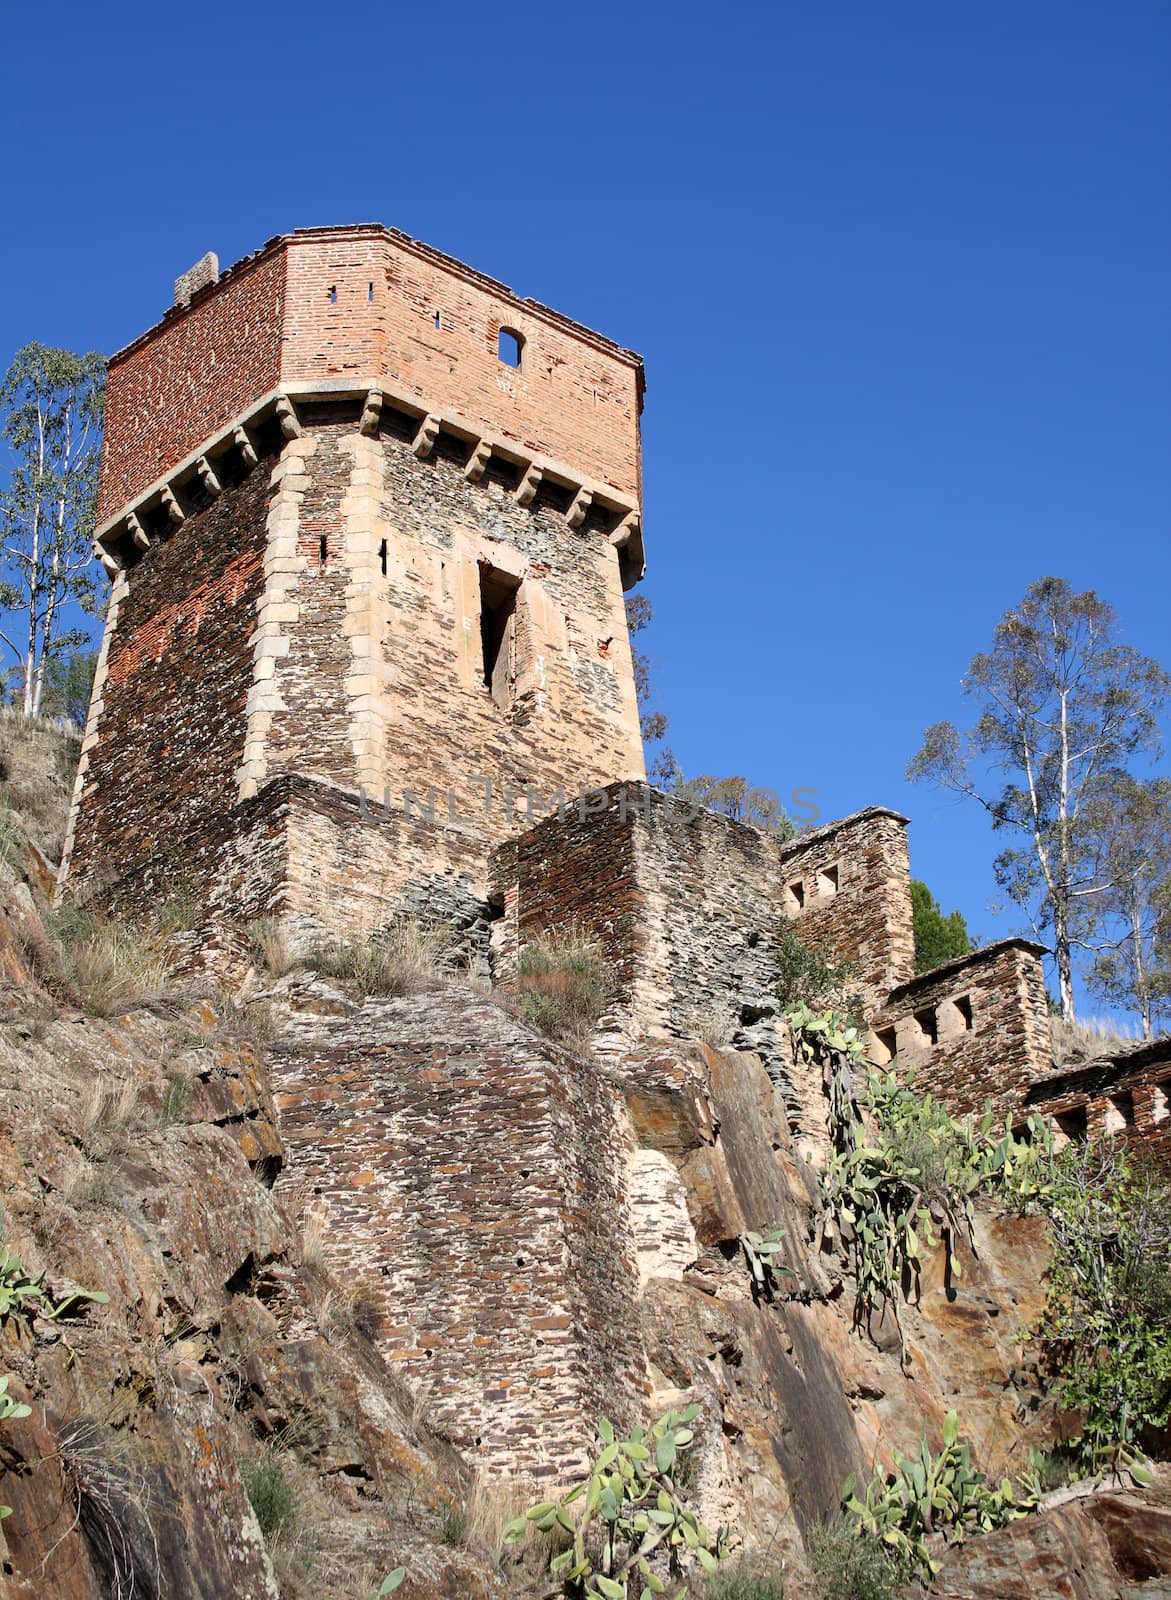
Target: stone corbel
174, 510
137, 532
424, 441
210, 482
107, 560
526, 489
582, 501
371, 414
626, 530
244, 445
287, 417
477, 461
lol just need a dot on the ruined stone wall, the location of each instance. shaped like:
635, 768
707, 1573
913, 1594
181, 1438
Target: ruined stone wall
470, 1178
166, 733
847, 892
189, 376
356, 306
687, 906
1127, 1096
972, 1030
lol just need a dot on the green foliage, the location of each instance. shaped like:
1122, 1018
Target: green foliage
626, 1513
902, 1173
68, 684
1106, 1328
806, 976
850, 1566
1062, 708
22, 1295
935, 1494
760, 1252
938, 938
270, 1495
51, 405
10, 1410
1135, 970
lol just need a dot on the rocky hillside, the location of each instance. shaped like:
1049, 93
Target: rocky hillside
220, 1423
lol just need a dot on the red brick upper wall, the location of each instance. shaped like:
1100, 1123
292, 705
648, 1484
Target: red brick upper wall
361, 303
189, 376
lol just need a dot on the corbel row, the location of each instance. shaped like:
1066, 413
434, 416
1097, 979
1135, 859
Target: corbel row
532, 473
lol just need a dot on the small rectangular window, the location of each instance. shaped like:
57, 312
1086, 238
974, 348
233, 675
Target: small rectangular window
827, 882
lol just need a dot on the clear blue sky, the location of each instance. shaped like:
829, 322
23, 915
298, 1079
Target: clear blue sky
900, 275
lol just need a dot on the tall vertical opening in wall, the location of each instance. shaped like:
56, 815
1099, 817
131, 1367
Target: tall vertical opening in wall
498, 599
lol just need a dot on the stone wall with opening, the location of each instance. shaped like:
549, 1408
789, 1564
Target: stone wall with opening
972, 1030
688, 906
1127, 1095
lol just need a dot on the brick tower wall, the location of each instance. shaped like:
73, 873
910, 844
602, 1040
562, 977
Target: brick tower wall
161, 758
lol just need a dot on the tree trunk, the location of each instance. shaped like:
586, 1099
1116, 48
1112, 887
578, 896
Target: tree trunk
1064, 964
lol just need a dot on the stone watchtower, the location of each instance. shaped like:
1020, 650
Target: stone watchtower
369, 518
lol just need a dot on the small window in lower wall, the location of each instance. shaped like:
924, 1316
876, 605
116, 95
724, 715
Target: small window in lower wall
498, 597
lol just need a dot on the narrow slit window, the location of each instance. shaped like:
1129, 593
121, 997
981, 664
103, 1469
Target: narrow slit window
509, 347
333, 293
322, 550
382, 557
498, 597
439, 319
369, 291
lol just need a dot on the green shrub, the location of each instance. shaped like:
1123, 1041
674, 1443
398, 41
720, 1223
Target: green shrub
562, 985
806, 974
626, 1516
931, 1494
270, 1494
901, 1171
1106, 1328
849, 1566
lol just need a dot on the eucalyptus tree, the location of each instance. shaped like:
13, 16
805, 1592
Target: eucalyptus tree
1063, 708
51, 405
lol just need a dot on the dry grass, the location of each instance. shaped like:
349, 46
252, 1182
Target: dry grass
1086, 1040
269, 943
101, 964
714, 1028
403, 958
561, 987
38, 760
